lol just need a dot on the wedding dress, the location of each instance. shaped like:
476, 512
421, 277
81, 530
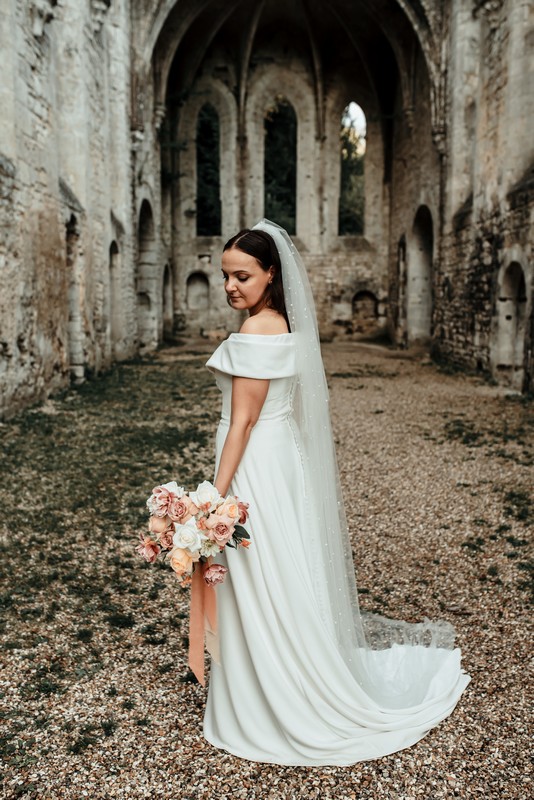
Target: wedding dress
304, 678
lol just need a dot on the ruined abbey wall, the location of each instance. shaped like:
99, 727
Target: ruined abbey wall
67, 298
99, 254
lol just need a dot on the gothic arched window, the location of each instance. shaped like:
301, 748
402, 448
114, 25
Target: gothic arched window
208, 173
352, 187
280, 165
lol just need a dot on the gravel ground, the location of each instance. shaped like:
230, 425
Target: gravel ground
97, 701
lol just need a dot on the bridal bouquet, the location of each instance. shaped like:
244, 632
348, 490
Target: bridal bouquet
188, 528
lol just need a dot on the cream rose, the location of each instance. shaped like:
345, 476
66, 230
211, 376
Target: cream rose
188, 536
206, 496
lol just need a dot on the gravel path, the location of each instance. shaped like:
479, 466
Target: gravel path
97, 700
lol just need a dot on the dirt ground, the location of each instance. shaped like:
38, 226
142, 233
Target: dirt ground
97, 701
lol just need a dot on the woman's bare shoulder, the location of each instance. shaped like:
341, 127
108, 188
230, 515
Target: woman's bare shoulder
266, 325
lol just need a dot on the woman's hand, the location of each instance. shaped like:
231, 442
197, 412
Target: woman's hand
248, 397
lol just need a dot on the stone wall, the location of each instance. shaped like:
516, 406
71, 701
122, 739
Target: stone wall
99, 257
482, 320
65, 189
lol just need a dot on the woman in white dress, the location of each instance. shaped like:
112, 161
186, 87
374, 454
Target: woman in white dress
304, 678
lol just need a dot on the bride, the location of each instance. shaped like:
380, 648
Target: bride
304, 678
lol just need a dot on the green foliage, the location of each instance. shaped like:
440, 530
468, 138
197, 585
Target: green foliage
352, 189
208, 173
280, 164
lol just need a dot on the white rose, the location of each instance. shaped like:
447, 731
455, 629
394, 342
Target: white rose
188, 536
206, 496
173, 487
209, 548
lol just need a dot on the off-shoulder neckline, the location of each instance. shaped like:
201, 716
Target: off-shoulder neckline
261, 335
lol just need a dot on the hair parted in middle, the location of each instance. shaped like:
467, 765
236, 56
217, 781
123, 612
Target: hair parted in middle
260, 245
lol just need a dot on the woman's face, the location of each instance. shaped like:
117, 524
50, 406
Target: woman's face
245, 281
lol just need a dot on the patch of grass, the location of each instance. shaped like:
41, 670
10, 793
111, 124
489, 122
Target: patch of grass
163, 669
84, 634
109, 726
119, 620
518, 505
475, 544
463, 431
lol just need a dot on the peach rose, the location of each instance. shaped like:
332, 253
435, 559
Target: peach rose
181, 560
158, 524
245, 542
230, 508
220, 528
148, 549
215, 574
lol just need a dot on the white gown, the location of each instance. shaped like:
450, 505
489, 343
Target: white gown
282, 692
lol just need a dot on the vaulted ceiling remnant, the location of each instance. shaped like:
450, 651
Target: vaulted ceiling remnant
389, 39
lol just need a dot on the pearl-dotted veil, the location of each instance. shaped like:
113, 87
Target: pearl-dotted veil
330, 553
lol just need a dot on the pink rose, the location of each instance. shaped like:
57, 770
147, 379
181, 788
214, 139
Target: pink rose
161, 499
148, 549
243, 512
181, 509
215, 574
220, 528
165, 538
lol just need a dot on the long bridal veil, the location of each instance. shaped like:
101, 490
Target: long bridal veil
380, 652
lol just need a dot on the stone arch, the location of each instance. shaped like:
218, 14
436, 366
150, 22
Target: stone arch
364, 313
159, 36
208, 178
268, 82
147, 279
115, 301
419, 277
217, 94
75, 347
198, 292
168, 303
279, 182
511, 313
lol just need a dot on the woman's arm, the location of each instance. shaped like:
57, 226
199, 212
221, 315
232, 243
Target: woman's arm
248, 397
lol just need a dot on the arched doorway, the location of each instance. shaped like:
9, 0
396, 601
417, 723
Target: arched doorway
146, 283
168, 310
419, 278
114, 298
511, 326
364, 313
74, 324
198, 292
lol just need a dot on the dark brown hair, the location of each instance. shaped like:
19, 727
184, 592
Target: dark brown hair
260, 245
